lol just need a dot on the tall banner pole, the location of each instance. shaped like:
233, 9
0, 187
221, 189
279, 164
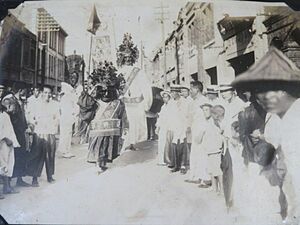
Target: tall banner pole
90, 55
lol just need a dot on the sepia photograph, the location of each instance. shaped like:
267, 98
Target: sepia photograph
138, 112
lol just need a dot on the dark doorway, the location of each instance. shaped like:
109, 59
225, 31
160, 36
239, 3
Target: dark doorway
195, 76
212, 72
241, 63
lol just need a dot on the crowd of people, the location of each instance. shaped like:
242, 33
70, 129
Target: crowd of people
30, 125
195, 129
239, 140
232, 138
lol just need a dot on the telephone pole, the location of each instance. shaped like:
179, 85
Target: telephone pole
161, 17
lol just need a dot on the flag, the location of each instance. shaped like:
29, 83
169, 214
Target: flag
94, 21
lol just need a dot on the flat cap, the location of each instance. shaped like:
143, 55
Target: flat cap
274, 67
225, 87
212, 89
176, 87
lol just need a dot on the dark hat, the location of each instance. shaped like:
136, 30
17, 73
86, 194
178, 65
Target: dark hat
273, 68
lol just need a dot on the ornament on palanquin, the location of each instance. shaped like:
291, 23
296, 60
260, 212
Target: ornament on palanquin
127, 53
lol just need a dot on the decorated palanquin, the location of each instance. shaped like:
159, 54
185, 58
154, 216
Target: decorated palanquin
111, 121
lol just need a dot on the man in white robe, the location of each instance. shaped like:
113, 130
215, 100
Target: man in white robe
68, 115
163, 127
138, 100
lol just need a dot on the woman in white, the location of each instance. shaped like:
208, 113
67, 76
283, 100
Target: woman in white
163, 127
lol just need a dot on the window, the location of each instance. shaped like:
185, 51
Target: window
26, 49
32, 54
53, 40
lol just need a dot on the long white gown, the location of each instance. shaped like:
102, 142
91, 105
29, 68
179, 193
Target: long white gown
163, 123
68, 112
7, 157
139, 88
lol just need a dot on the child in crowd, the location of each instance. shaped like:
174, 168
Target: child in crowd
213, 143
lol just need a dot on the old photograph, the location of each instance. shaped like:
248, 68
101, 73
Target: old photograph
145, 112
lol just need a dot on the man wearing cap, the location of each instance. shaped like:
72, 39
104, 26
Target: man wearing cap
275, 80
212, 95
179, 109
232, 103
195, 115
163, 129
185, 93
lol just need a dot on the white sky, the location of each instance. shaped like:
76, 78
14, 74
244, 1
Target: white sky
73, 16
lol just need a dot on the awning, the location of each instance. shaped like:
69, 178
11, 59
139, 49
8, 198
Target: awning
230, 26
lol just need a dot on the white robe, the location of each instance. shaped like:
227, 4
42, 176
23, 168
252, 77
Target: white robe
198, 157
285, 131
140, 86
32, 105
164, 124
68, 113
7, 157
178, 119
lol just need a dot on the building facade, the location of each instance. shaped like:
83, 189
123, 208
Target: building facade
215, 42
17, 53
192, 29
283, 31
51, 50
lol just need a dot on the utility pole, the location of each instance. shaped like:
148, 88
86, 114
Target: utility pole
141, 40
161, 18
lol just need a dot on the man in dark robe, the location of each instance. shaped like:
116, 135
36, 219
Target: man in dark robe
88, 106
106, 129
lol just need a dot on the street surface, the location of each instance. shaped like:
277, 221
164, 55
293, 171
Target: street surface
134, 190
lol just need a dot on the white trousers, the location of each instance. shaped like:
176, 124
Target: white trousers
162, 139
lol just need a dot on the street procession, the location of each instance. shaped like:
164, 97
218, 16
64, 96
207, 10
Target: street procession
138, 112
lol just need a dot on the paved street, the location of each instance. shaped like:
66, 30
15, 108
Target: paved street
133, 191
